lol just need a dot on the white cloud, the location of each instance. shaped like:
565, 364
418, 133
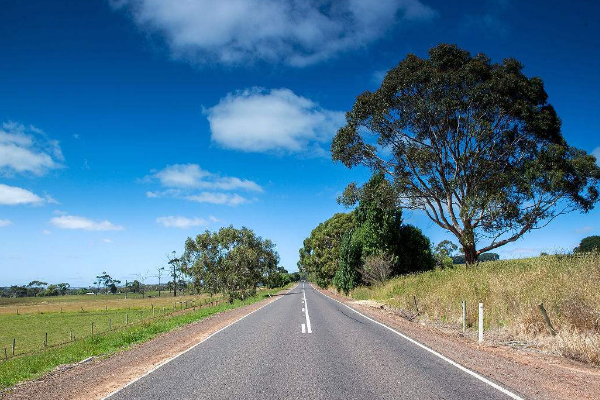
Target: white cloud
191, 176
107, 241
294, 32
12, 195
5, 222
27, 149
258, 120
596, 153
218, 198
46, 232
75, 222
177, 221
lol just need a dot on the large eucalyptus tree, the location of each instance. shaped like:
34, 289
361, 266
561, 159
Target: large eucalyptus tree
474, 144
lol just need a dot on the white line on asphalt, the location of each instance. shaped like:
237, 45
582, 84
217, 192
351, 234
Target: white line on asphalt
435, 353
193, 347
302, 309
308, 328
303, 328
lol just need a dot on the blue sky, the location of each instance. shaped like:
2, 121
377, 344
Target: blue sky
128, 125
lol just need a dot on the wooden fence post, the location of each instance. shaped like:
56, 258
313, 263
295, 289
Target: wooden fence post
126, 318
464, 316
14, 345
46, 340
480, 322
92, 330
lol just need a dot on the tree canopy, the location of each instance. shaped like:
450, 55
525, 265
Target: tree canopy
321, 251
474, 144
230, 261
588, 244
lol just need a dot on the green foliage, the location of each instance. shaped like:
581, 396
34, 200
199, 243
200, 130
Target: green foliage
321, 251
588, 244
231, 261
414, 251
347, 277
474, 144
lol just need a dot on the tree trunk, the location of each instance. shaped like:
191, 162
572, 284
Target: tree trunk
470, 254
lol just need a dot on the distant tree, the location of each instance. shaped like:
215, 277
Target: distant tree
19, 291
230, 261
105, 280
588, 244
474, 144
36, 287
321, 251
489, 257
51, 290
63, 288
443, 253
134, 286
113, 288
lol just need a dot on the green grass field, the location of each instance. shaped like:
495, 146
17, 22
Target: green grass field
65, 317
29, 366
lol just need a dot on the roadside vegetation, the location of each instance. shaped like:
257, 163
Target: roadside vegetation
43, 326
511, 291
14, 370
476, 147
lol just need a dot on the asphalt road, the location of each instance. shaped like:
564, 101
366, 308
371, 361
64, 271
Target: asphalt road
282, 352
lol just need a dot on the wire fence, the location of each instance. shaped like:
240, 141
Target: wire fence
85, 325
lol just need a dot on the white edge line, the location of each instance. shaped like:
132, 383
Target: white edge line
308, 327
303, 328
454, 363
191, 348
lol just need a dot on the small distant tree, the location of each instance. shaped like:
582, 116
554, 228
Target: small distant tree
443, 253
63, 288
588, 244
36, 287
105, 280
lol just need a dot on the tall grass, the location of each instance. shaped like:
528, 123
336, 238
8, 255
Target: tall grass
568, 286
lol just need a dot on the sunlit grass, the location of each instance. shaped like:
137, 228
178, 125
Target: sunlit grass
19, 368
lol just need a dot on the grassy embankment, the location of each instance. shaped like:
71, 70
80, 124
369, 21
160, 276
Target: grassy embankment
14, 370
568, 286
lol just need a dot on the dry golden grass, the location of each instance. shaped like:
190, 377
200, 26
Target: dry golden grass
76, 303
568, 286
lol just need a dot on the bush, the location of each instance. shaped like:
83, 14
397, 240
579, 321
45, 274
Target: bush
377, 269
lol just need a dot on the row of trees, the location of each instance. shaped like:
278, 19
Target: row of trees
369, 244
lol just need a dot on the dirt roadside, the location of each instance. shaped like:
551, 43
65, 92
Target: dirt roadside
97, 378
533, 375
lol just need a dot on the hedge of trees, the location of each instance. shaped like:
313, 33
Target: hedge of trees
366, 245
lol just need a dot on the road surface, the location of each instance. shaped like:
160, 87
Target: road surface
305, 345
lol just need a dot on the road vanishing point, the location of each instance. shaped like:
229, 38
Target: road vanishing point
305, 345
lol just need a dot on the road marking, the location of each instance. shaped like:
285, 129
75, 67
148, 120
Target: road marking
435, 353
193, 347
303, 328
308, 328
302, 309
